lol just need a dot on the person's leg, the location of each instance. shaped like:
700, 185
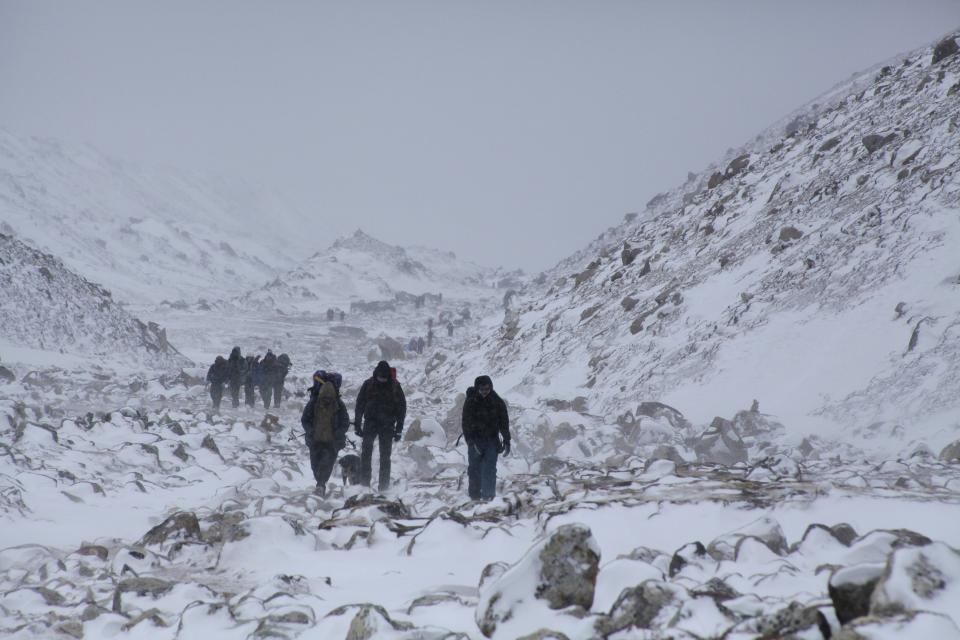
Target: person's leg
473, 472
366, 455
277, 392
386, 448
488, 470
235, 394
326, 459
248, 398
265, 394
216, 394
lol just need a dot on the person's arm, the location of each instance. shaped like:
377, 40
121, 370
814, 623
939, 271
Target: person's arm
306, 420
401, 409
360, 407
504, 426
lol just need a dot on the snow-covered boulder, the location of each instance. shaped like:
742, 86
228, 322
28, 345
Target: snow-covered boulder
850, 589
919, 578
426, 431
556, 573
951, 452
766, 530
913, 625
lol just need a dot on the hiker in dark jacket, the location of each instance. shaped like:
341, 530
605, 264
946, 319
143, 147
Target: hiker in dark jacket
279, 375
265, 376
217, 376
249, 393
379, 415
486, 429
238, 373
325, 426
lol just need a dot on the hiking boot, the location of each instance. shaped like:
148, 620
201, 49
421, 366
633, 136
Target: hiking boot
320, 490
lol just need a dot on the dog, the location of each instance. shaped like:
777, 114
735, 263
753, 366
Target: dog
350, 467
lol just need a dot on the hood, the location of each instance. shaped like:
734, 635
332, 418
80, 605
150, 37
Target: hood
479, 381
382, 369
235, 353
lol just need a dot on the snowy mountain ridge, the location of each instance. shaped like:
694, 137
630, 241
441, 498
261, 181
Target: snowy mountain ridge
49, 308
147, 235
818, 275
360, 267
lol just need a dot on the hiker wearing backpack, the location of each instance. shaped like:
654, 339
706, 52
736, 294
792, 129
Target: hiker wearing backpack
486, 430
379, 415
217, 376
238, 373
279, 374
325, 424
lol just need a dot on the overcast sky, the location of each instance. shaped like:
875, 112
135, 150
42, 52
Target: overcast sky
509, 132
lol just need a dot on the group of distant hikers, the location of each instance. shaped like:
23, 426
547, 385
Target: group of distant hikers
251, 373
379, 414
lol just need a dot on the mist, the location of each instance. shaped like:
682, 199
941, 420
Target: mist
510, 133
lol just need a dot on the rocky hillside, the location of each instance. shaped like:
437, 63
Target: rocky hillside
147, 235
45, 306
815, 270
360, 267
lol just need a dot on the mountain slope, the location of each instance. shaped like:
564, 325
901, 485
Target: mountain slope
146, 235
48, 307
360, 267
818, 274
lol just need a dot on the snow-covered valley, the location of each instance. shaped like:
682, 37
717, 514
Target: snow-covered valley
734, 416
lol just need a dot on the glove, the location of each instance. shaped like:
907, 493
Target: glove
499, 445
506, 448
396, 435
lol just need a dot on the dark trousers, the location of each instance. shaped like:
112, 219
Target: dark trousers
249, 395
235, 394
271, 390
216, 394
482, 468
322, 458
385, 436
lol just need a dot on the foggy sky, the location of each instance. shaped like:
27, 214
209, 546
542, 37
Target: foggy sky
509, 132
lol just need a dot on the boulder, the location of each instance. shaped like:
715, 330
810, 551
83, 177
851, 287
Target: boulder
919, 578
7, 376
875, 141
766, 530
720, 444
181, 526
850, 589
662, 411
790, 622
951, 452
557, 573
142, 586
944, 49
690, 553
641, 607
789, 234
426, 431
390, 349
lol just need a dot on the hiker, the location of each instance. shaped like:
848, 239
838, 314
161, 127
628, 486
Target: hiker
343, 316
249, 393
486, 430
280, 371
449, 329
329, 315
265, 377
379, 415
217, 375
238, 373
325, 424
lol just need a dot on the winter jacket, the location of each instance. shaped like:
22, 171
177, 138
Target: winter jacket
340, 428
484, 418
237, 367
219, 372
381, 404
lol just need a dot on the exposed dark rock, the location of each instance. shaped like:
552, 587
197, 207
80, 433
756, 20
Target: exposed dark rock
628, 255
951, 452
182, 525
210, 444
143, 586
830, 144
569, 562
790, 620
637, 607
874, 141
850, 589
391, 508
7, 376
944, 49
788, 234
684, 555
720, 444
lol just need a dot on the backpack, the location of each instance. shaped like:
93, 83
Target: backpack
325, 409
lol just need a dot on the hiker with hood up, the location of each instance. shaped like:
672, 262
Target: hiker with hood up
217, 376
238, 374
486, 430
265, 377
325, 424
380, 411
